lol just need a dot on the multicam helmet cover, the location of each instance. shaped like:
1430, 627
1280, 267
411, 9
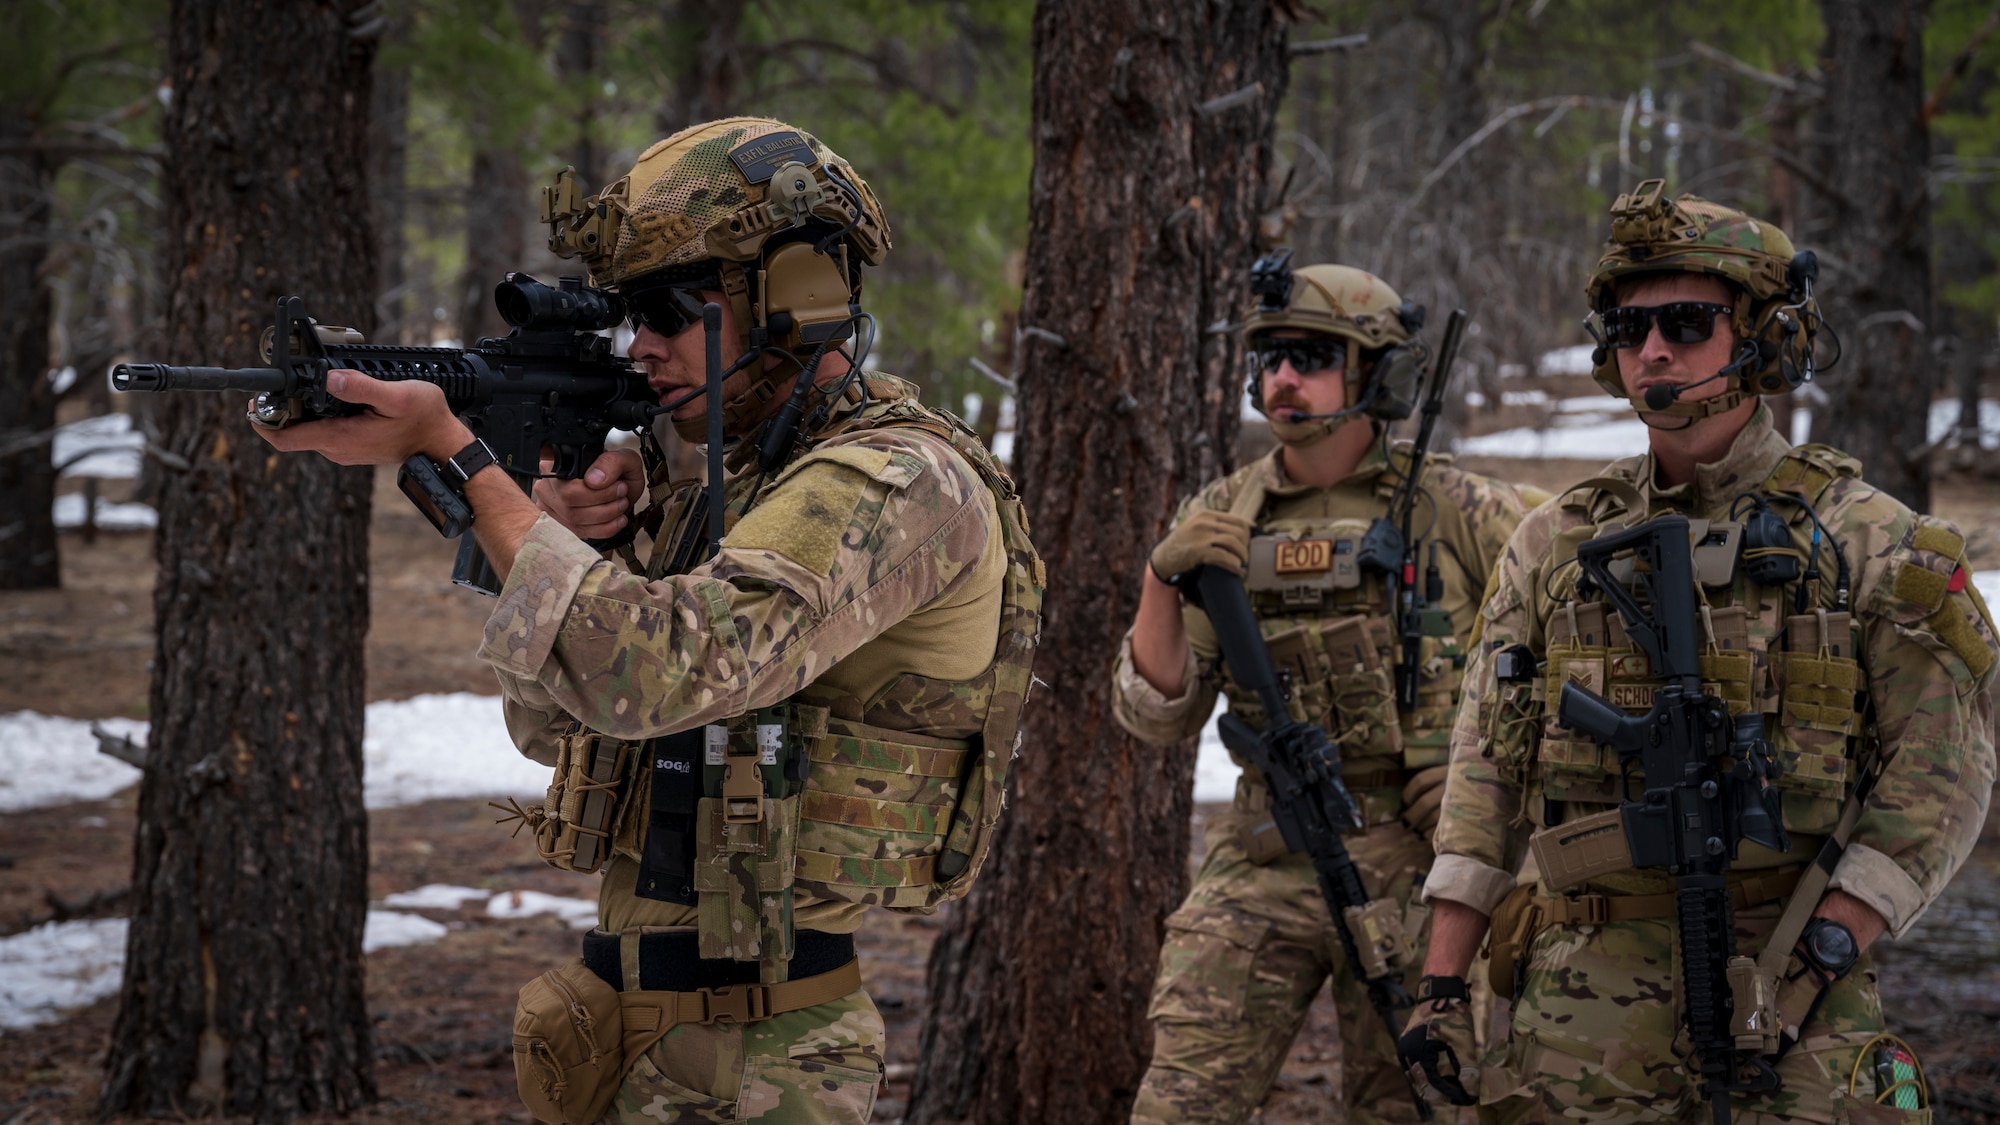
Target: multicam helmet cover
1349, 304
1773, 310
712, 191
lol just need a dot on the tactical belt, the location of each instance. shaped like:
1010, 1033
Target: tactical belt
1596, 910
669, 963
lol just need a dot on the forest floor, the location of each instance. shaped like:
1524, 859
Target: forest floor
443, 1010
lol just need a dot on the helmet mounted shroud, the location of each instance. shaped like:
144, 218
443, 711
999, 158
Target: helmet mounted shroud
1773, 311
778, 222
1350, 305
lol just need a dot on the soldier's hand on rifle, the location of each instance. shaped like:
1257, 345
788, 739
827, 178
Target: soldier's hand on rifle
402, 418
598, 505
1437, 1048
1206, 538
1423, 799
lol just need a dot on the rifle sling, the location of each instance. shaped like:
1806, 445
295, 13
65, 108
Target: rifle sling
1798, 912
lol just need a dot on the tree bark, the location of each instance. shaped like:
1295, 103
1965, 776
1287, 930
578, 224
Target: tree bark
388, 156
1144, 215
496, 202
28, 556
243, 990
706, 41
1877, 284
579, 62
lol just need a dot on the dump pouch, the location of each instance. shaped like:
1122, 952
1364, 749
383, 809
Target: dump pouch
569, 1051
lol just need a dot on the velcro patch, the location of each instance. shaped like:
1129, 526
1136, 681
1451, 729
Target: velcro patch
1954, 627
1934, 537
1918, 586
806, 515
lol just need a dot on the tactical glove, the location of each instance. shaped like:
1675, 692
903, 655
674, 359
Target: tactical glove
1423, 798
1206, 538
1437, 1048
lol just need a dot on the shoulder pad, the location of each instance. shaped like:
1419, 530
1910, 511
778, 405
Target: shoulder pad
1928, 585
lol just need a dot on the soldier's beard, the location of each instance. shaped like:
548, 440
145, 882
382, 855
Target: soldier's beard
740, 413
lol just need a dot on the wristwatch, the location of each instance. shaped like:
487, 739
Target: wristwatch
1828, 946
1442, 988
438, 490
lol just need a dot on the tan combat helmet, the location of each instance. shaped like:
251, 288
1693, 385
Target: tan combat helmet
1773, 311
1350, 304
780, 222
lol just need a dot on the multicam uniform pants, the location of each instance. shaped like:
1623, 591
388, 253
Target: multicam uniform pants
1596, 1037
815, 1066
1243, 959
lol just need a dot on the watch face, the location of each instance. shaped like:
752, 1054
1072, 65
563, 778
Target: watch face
1833, 945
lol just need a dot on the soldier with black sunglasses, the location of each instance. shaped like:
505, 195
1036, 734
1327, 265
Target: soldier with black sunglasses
1333, 358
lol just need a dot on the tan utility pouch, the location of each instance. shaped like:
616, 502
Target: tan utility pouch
1753, 997
569, 1050
1581, 849
1260, 840
573, 825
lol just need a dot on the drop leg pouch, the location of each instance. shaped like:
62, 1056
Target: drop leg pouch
569, 1049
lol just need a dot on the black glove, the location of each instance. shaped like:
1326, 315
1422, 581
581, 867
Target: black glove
1437, 1049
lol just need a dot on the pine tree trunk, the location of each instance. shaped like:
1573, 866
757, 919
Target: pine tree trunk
496, 218
1143, 221
28, 558
1877, 284
388, 174
243, 975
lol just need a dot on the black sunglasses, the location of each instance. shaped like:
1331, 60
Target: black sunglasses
668, 309
1305, 355
1681, 322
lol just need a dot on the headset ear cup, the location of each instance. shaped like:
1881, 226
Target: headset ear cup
1598, 355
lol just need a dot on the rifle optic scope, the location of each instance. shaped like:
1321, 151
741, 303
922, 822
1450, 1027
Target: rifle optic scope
527, 304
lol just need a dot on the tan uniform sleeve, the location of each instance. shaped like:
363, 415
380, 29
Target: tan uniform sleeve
1491, 735
1141, 708
848, 542
1929, 654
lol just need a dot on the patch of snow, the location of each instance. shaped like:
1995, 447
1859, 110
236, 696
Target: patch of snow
1573, 360
386, 929
1215, 772
58, 966
435, 896
1474, 398
412, 750
1523, 398
1801, 424
1003, 447
1583, 438
1944, 418
580, 913
45, 760
433, 746
1988, 582
1593, 404
111, 436
69, 511
61, 379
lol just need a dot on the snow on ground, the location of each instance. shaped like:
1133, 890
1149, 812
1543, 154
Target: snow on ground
1215, 772
69, 511
413, 750
109, 438
1988, 582
435, 896
1944, 416
57, 966
580, 913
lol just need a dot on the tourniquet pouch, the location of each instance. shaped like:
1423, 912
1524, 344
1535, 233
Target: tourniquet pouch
1817, 679
569, 1053
1364, 694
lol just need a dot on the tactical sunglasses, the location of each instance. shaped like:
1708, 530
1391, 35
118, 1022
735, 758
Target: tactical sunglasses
1305, 355
1681, 322
668, 309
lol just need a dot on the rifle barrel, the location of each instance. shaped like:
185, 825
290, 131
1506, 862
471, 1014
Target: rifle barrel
162, 377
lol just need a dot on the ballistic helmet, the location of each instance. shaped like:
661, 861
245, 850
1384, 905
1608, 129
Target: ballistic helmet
755, 208
1384, 361
1772, 308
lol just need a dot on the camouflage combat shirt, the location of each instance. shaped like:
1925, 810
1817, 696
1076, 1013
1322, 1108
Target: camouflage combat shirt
872, 554
1925, 652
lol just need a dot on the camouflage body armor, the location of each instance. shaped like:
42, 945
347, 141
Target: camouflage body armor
1334, 643
888, 801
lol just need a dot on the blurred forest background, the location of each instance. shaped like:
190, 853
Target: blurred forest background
1465, 149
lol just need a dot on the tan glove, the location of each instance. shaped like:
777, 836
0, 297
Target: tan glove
1206, 538
1437, 1046
1423, 798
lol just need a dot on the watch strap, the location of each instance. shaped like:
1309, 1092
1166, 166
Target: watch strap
1443, 988
468, 461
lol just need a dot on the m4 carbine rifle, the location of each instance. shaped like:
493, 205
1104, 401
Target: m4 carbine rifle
551, 383
1309, 802
1706, 778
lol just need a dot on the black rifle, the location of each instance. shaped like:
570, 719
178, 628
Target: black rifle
1390, 546
1706, 784
1309, 802
550, 383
